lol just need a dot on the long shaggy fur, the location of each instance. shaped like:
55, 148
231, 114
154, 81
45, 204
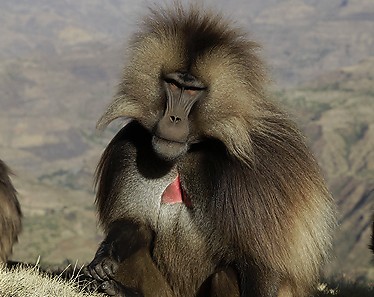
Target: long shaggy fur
259, 201
10, 214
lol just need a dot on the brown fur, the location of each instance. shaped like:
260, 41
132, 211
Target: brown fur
139, 273
224, 283
10, 214
371, 246
260, 205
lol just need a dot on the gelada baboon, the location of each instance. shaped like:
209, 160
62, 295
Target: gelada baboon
209, 189
10, 214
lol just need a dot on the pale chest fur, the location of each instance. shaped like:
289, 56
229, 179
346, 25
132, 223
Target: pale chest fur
180, 242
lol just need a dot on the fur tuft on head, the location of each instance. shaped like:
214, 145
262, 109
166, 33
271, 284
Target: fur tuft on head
203, 44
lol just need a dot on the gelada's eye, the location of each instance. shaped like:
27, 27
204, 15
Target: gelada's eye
191, 92
173, 86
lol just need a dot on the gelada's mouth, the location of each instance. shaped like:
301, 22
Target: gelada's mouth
167, 149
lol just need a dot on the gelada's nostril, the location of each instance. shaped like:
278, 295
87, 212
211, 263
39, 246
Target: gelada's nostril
175, 119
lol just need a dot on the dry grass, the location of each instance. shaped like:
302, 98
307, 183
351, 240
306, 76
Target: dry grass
344, 288
22, 281
32, 282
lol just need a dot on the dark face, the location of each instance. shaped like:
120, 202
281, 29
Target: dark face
171, 134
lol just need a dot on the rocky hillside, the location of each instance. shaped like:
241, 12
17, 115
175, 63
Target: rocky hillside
337, 113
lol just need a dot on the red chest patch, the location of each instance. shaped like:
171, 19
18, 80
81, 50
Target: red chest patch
175, 194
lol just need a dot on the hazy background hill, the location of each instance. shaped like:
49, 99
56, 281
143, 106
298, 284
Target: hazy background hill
59, 64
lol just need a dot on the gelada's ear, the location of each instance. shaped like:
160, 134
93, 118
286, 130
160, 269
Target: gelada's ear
119, 108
